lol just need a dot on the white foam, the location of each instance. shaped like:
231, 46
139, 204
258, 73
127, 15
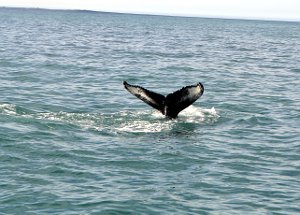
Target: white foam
158, 115
191, 114
142, 121
8, 109
195, 114
144, 127
125, 121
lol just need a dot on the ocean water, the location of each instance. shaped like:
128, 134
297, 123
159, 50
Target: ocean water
73, 141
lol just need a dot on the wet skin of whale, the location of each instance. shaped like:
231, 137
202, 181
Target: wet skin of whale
169, 105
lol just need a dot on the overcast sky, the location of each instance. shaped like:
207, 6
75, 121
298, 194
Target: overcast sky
253, 9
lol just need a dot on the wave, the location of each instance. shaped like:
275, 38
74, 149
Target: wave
147, 121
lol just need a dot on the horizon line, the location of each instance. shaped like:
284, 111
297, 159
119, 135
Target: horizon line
160, 14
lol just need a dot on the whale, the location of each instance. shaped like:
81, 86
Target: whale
170, 105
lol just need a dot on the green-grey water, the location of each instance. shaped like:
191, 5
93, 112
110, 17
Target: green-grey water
73, 141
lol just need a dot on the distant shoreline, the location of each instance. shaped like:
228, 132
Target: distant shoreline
147, 14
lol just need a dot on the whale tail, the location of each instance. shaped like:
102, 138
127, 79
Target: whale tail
171, 104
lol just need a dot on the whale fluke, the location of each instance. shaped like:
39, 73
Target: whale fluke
171, 104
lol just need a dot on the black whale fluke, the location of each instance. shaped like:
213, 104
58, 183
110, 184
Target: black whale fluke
171, 104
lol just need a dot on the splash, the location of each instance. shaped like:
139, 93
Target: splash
143, 122
125, 121
143, 126
194, 114
156, 122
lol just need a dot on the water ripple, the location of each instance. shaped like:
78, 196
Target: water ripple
73, 141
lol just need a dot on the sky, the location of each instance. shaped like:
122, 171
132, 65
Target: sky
247, 9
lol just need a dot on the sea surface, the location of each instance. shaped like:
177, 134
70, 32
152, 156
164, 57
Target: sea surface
74, 141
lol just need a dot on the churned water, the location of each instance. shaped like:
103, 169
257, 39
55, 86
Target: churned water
73, 141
